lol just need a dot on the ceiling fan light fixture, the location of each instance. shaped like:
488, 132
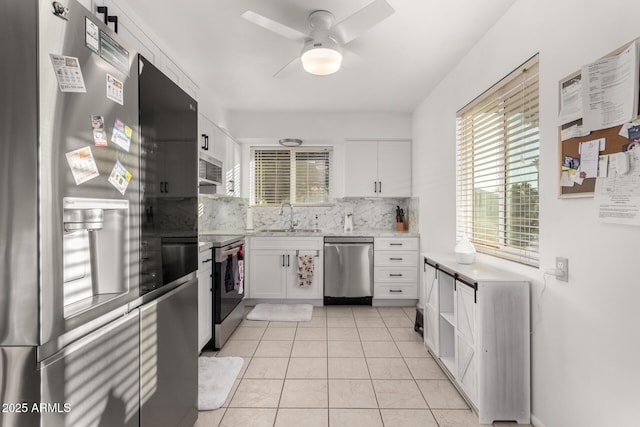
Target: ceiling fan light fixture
321, 58
290, 142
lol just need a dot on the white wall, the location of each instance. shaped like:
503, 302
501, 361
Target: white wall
586, 340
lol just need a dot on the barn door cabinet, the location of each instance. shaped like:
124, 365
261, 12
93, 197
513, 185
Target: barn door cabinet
477, 327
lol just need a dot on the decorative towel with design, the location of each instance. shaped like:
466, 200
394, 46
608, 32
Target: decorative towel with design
305, 270
229, 277
239, 284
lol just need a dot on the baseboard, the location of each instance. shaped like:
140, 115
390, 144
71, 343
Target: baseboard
535, 421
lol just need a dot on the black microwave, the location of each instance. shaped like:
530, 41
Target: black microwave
209, 170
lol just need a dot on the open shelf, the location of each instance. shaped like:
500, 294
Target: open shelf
449, 363
448, 316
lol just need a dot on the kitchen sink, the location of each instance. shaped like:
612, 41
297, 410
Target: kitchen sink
286, 230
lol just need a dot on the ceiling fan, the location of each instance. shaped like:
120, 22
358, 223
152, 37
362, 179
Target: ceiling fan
323, 46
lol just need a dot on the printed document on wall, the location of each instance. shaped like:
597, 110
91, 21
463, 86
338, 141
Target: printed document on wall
610, 90
618, 196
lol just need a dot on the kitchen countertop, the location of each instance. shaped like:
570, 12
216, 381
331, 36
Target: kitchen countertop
267, 233
476, 272
219, 240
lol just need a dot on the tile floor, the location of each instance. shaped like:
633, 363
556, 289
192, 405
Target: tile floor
349, 366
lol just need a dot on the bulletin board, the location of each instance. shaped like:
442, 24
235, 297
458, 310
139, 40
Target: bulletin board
615, 143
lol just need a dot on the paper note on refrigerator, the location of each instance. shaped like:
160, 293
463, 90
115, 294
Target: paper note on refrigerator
82, 164
99, 134
115, 89
121, 135
68, 73
120, 177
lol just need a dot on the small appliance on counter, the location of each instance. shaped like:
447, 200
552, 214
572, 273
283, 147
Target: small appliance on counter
348, 222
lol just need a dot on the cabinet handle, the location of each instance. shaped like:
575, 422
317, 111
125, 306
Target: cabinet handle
283, 260
162, 186
395, 259
204, 142
207, 260
113, 19
395, 275
166, 186
395, 290
395, 244
379, 186
207, 143
288, 264
375, 186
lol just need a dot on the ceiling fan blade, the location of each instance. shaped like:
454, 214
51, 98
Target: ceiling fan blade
275, 26
288, 69
362, 20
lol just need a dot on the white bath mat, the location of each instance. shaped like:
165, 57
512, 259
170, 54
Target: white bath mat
282, 312
215, 379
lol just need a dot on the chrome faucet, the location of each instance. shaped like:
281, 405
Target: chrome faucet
282, 205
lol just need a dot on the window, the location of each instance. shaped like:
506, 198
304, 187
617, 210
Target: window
297, 175
497, 168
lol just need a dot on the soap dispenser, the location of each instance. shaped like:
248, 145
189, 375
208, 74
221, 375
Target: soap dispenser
348, 223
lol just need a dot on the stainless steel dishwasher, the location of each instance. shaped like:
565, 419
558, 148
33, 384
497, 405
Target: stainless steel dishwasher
348, 270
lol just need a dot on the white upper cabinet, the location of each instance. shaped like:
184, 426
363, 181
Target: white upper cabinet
378, 169
206, 135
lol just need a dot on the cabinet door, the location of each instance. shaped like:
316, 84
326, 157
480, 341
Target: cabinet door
394, 169
267, 271
205, 298
466, 358
220, 153
361, 171
430, 282
206, 133
294, 291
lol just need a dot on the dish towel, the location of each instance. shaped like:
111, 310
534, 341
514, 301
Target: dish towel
305, 270
239, 283
229, 280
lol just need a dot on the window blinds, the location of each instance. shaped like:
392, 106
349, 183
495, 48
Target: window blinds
297, 175
497, 167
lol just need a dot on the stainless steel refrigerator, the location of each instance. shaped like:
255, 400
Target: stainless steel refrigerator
69, 219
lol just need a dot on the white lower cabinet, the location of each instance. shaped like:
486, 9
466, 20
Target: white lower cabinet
205, 297
395, 272
273, 268
477, 326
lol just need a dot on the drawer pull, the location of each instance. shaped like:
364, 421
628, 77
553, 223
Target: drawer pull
395, 244
396, 259
207, 260
395, 275
395, 290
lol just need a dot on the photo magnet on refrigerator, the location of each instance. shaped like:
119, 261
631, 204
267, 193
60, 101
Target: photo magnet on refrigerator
99, 135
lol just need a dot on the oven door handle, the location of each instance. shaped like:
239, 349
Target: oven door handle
224, 254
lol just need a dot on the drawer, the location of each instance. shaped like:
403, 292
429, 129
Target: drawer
396, 274
395, 291
306, 243
204, 256
396, 243
395, 258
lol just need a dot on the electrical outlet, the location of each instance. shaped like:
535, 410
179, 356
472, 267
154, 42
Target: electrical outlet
562, 269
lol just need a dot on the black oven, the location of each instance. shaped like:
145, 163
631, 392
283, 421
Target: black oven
228, 289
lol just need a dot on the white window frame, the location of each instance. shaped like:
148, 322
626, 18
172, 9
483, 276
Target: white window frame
292, 175
498, 142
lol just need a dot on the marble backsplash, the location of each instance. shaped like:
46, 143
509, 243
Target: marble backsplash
228, 213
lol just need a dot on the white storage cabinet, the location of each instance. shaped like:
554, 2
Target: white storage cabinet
477, 326
205, 296
378, 169
395, 272
273, 267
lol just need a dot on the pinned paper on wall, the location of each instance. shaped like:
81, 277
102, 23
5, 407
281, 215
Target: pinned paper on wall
115, 89
120, 177
68, 73
121, 135
82, 164
571, 101
99, 134
589, 153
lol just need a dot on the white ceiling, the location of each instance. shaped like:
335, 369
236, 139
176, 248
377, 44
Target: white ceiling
402, 58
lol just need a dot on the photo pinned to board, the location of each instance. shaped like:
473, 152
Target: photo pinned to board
99, 134
120, 177
83, 165
121, 135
